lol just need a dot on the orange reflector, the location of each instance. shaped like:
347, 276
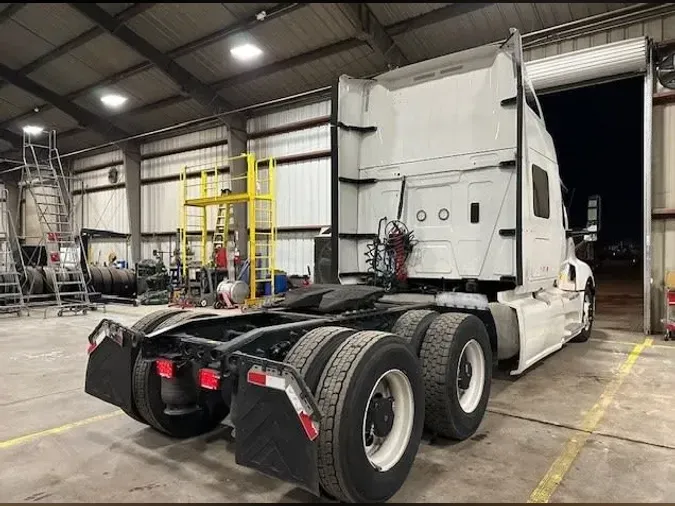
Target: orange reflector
209, 379
164, 368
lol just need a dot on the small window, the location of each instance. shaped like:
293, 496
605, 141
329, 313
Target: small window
540, 192
475, 212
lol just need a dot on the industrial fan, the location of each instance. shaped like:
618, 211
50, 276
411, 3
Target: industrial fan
665, 71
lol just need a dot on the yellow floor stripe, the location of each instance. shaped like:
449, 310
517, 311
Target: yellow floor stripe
549, 483
629, 343
56, 430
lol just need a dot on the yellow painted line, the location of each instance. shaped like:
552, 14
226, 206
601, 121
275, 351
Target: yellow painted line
56, 430
554, 476
629, 343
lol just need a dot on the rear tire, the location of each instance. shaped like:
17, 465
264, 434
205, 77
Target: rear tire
413, 325
147, 387
147, 324
313, 351
453, 337
350, 468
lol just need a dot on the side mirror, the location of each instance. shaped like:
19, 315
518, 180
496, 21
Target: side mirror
592, 219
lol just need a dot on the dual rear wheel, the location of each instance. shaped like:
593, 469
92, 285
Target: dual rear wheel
376, 395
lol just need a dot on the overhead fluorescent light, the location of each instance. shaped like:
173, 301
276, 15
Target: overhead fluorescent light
113, 100
33, 130
246, 52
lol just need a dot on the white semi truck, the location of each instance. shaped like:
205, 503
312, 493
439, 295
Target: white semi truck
450, 251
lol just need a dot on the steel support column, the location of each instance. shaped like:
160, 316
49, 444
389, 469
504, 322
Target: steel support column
236, 145
647, 195
131, 155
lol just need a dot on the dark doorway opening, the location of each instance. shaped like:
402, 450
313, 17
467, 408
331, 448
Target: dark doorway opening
598, 134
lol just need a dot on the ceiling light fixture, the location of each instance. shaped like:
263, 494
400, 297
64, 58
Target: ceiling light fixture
245, 52
113, 100
33, 130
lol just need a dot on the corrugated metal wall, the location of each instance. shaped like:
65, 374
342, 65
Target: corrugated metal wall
98, 206
303, 186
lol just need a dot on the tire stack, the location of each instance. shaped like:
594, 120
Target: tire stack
33, 281
111, 281
105, 280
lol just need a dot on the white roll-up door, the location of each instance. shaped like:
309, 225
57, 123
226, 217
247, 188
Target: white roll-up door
589, 65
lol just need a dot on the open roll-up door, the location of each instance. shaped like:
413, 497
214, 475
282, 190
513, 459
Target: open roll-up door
586, 66
617, 60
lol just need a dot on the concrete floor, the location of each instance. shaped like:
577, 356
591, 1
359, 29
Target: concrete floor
628, 456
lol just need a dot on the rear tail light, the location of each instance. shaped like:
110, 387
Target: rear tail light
209, 379
165, 368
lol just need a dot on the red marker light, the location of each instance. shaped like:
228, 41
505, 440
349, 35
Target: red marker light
209, 379
165, 368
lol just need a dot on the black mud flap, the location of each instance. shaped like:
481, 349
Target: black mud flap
109, 369
276, 422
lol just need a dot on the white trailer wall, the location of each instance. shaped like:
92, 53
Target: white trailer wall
303, 178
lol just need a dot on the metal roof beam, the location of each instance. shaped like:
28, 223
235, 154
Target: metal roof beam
248, 23
442, 14
15, 140
189, 84
432, 17
9, 12
80, 114
194, 45
293, 61
83, 38
371, 31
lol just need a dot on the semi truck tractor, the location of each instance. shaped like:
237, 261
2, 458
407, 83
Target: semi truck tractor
450, 253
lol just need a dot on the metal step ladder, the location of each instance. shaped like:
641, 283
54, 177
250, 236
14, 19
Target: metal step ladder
43, 177
11, 262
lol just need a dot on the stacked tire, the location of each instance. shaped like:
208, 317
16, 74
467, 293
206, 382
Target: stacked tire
111, 281
104, 280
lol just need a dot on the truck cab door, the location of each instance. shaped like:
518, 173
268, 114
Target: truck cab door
544, 246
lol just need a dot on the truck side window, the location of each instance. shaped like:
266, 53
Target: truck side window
540, 192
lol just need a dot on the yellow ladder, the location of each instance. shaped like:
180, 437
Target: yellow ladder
262, 228
222, 228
